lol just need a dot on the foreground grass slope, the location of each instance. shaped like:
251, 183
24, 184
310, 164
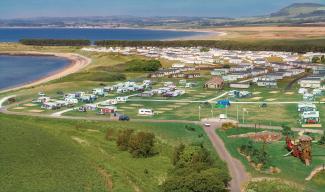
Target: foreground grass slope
50, 155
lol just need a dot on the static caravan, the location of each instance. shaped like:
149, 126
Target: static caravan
108, 89
303, 107
121, 99
308, 97
108, 110
90, 107
310, 117
148, 112
146, 94
61, 103
50, 106
71, 101
43, 99
99, 92
240, 85
109, 102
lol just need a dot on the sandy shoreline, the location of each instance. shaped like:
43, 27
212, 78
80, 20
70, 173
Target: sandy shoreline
77, 62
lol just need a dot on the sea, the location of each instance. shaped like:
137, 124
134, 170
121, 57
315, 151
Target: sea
16, 34
20, 70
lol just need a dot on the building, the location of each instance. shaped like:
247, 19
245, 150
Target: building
214, 83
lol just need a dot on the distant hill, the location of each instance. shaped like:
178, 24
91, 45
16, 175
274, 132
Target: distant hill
295, 14
301, 10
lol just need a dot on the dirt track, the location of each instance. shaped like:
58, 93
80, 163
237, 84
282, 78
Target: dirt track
237, 170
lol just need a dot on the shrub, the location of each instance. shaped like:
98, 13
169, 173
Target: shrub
139, 144
138, 65
123, 139
322, 140
142, 144
229, 125
286, 130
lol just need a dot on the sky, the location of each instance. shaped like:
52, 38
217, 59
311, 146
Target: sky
210, 8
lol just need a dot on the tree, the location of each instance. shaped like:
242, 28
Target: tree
123, 139
142, 144
315, 59
286, 130
204, 49
195, 170
177, 151
322, 140
208, 180
322, 59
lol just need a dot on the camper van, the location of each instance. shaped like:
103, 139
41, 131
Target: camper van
146, 112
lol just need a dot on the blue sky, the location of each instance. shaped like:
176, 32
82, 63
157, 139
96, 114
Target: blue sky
216, 8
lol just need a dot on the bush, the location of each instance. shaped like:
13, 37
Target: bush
142, 144
139, 144
189, 128
271, 186
286, 130
322, 140
138, 65
123, 139
258, 156
226, 126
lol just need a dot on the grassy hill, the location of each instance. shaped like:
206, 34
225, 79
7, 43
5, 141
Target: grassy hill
49, 155
299, 10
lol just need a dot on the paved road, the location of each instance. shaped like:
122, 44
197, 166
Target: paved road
236, 169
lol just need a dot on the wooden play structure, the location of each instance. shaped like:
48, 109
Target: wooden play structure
300, 148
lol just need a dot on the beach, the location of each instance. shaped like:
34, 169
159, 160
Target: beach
77, 62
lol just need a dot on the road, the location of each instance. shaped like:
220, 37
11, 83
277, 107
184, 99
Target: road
236, 169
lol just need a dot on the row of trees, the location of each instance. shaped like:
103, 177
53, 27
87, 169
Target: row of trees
140, 144
195, 170
299, 46
55, 42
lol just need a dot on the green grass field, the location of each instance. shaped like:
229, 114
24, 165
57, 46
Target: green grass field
50, 155
287, 165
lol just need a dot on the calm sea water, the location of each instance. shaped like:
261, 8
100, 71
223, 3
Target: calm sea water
18, 70
15, 34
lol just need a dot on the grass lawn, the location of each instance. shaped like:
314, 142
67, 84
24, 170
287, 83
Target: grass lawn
39, 154
292, 169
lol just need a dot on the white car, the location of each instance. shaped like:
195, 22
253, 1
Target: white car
207, 124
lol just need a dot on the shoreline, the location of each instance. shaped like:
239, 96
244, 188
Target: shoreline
204, 34
76, 63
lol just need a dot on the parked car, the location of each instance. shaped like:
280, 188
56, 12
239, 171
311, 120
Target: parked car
124, 118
